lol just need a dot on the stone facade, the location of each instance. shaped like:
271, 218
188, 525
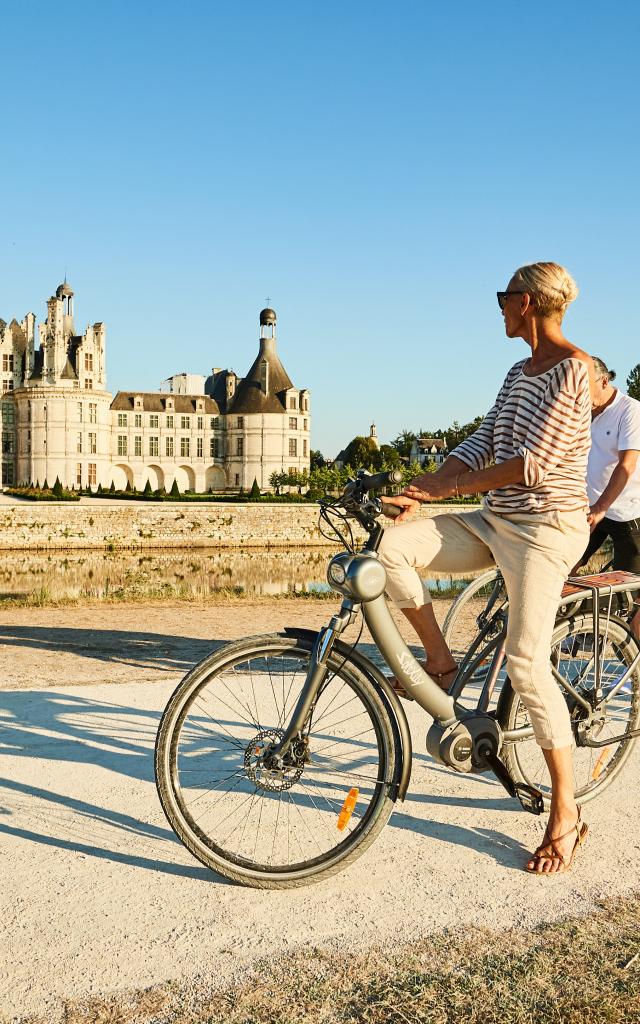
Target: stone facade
217, 433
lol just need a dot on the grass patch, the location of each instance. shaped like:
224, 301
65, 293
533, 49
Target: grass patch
577, 971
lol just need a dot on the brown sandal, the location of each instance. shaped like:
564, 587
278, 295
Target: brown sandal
436, 676
549, 851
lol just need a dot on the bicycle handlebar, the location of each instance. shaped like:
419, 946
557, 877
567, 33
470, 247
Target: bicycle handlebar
379, 480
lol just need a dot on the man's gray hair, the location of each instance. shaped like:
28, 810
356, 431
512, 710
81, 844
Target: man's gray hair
602, 370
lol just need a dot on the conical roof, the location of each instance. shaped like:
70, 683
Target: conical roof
249, 396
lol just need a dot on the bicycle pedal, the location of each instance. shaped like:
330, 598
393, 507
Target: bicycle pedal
530, 798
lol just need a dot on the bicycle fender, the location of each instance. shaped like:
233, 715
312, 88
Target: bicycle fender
385, 690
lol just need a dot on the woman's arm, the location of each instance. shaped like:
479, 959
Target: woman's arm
432, 486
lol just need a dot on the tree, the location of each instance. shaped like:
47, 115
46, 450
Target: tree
57, 488
255, 490
456, 433
362, 453
175, 490
633, 383
112, 489
148, 489
317, 459
389, 457
278, 480
403, 442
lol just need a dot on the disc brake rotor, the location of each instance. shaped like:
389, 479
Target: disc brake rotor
273, 780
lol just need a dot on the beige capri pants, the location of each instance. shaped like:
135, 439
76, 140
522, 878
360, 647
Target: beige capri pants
535, 552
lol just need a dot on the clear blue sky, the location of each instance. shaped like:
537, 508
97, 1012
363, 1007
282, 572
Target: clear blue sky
377, 169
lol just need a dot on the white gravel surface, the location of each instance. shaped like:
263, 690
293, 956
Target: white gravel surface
99, 896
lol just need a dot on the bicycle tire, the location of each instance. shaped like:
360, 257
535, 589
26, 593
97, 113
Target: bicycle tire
594, 769
479, 587
189, 714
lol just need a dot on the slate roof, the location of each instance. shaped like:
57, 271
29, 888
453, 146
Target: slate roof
430, 442
154, 401
249, 396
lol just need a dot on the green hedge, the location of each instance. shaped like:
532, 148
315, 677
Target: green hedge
40, 494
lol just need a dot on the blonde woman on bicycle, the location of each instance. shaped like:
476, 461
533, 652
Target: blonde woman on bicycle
532, 524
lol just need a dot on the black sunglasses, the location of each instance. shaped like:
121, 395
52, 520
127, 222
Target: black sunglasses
502, 297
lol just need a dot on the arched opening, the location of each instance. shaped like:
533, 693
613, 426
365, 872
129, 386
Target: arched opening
215, 479
155, 476
121, 475
186, 478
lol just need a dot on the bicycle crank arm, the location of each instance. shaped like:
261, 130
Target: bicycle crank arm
530, 798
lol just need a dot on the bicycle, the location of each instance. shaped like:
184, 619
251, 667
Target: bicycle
279, 758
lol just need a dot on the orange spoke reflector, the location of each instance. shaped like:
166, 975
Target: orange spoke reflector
348, 807
599, 765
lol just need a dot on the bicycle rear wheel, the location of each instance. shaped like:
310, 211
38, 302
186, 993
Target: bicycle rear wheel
572, 654
463, 612
266, 828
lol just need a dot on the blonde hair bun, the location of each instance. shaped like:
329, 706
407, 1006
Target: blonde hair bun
551, 286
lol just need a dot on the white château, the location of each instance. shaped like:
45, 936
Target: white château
219, 432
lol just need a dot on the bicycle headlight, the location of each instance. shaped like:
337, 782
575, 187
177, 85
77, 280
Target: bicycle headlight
336, 573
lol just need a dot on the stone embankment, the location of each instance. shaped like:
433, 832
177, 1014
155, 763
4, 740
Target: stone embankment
122, 525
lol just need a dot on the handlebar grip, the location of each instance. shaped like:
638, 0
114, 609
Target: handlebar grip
380, 480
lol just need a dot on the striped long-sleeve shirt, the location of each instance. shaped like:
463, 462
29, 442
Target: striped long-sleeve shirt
547, 420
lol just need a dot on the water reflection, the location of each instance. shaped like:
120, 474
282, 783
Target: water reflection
167, 573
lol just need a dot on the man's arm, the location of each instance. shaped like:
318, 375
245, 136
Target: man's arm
622, 473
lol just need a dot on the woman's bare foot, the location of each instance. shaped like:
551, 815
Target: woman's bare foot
564, 834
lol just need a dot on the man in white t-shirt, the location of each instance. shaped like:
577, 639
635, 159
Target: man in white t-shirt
613, 475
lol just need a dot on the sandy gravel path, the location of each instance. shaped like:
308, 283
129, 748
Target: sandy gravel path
98, 895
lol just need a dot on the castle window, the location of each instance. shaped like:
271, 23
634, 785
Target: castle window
137, 445
7, 443
88, 361
154, 446
122, 419
7, 474
122, 444
185, 423
93, 444
213, 448
169, 447
154, 421
185, 447
240, 446
293, 446
306, 425
293, 402
199, 447
214, 422
240, 422
293, 423
7, 362
88, 384
304, 448
137, 419
7, 385
237, 479
78, 442
79, 474
200, 422
170, 422
79, 412
92, 474
93, 412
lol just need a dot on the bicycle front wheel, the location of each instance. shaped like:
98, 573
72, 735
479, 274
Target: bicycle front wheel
617, 714
262, 827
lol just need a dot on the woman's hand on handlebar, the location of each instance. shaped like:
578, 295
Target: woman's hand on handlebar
399, 507
430, 487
